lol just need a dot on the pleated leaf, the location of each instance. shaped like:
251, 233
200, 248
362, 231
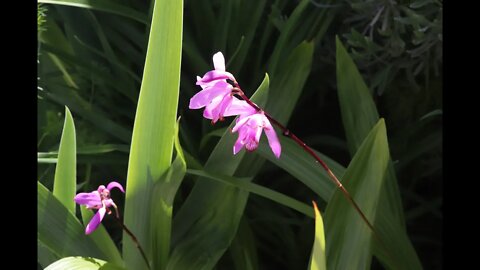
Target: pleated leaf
317, 259
359, 115
349, 238
65, 182
101, 238
154, 128
82, 263
162, 206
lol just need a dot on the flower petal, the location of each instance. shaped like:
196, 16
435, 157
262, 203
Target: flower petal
95, 221
208, 112
114, 184
204, 97
240, 141
214, 75
272, 138
91, 200
219, 61
239, 107
240, 123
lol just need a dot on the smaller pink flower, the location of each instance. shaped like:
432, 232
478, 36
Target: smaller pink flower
216, 94
98, 199
250, 129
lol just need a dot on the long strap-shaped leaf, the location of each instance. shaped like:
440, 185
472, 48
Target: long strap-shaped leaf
359, 115
348, 236
82, 263
154, 129
65, 182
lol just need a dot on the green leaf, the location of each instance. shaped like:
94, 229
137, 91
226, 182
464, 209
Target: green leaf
54, 37
45, 255
101, 238
283, 42
64, 185
359, 115
99, 118
318, 260
243, 248
347, 234
82, 263
267, 193
102, 5
60, 230
154, 128
162, 206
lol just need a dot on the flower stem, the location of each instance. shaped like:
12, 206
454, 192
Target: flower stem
134, 239
237, 90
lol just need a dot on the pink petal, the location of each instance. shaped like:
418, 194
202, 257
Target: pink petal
204, 97
240, 141
219, 61
254, 133
108, 203
91, 200
220, 109
272, 138
208, 112
96, 220
239, 107
240, 123
215, 110
114, 184
214, 75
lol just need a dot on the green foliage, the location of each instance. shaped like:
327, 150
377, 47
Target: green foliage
64, 186
127, 69
348, 236
317, 260
390, 38
86, 263
154, 129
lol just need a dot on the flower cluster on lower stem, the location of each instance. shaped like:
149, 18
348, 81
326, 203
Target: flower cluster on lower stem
98, 199
218, 98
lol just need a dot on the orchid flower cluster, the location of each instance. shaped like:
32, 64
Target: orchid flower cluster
217, 96
98, 199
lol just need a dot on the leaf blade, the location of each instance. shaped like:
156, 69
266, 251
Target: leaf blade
348, 235
359, 115
64, 185
318, 260
79, 263
102, 5
154, 128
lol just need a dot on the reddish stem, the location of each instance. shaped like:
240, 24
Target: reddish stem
134, 239
237, 90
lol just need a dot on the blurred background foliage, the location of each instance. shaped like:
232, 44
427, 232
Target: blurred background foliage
91, 59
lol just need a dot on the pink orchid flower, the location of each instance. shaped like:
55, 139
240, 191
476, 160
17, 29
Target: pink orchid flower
216, 94
98, 199
218, 73
250, 127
